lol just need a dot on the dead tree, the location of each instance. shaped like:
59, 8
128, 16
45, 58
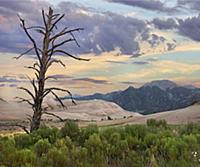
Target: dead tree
50, 45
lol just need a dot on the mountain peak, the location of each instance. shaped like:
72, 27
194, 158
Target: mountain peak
130, 88
155, 96
162, 84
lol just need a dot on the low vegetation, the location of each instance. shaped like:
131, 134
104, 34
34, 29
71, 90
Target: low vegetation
153, 145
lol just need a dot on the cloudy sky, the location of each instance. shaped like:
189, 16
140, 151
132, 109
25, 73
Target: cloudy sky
129, 42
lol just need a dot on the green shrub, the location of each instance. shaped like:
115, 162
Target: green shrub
24, 157
133, 142
190, 128
155, 123
85, 133
138, 131
150, 140
7, 151
79, 157
70, 129
133, 159
156, 145
42, 147
23, 140
94, 146
58, 157
47, 133
151, 122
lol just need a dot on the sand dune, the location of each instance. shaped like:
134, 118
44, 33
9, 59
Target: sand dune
97, 111
180, 116
94, 110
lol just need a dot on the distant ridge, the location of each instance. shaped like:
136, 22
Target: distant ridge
152, 97
162, 84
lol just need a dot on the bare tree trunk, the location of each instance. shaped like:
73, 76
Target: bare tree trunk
36, 119
50, 47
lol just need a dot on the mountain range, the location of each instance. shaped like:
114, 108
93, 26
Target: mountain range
153, 97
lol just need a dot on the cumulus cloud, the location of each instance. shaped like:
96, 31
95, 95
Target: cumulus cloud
190, 27
106, 31
165, 24
11, 37
155, 40
103, 32
155, 5
171, 46
191, 4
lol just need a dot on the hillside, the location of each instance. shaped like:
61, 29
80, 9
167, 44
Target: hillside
153, 97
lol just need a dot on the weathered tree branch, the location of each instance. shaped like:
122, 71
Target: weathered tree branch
67, 54
54, 115
48, 90
44, 20
30, 37
37, 76
33, 68
58, 99
36, 65
54, 24
55, 61
29, 117
63, 32
59, 44
22, 54
32, 81
53, 17
28, 91
22, 100
40, 31
23, 127
34, 86
74, 39
15, 125
50, 77
36, 27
